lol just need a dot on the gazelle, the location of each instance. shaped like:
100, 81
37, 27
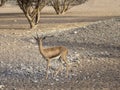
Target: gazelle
51, 53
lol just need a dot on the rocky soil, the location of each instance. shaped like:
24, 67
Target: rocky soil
95, 48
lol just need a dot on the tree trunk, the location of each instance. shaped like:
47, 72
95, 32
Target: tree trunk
31, 22
3, 2
37, 18
33, 18
60, 9
32, 9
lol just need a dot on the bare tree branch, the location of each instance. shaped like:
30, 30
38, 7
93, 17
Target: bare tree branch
2, 2
32, 9
62, 6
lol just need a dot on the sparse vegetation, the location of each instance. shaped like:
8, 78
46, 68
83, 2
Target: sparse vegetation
32, 9
2, 2
61, 6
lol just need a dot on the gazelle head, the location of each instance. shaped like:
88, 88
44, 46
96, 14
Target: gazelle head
38, 39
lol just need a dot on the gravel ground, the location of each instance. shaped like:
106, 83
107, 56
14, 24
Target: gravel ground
95, 48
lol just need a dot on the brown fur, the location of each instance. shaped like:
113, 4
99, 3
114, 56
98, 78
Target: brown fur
53, 51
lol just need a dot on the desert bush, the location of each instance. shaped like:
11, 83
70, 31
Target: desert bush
61, 6
32, 9
2, 2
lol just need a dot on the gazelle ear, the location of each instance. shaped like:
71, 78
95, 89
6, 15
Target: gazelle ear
44, 37
35, 37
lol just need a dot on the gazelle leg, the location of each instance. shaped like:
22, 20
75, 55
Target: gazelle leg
58, 70
66, 62
48, 66
67, 68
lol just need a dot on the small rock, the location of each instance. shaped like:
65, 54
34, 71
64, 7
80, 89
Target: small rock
77, 55
75, 32
35, 81
32, 41
57, 79
15, 20
36, 46
51, 83
1, 87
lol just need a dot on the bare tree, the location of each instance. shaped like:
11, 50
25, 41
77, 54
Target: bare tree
32, 9
62, 6
2, 2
